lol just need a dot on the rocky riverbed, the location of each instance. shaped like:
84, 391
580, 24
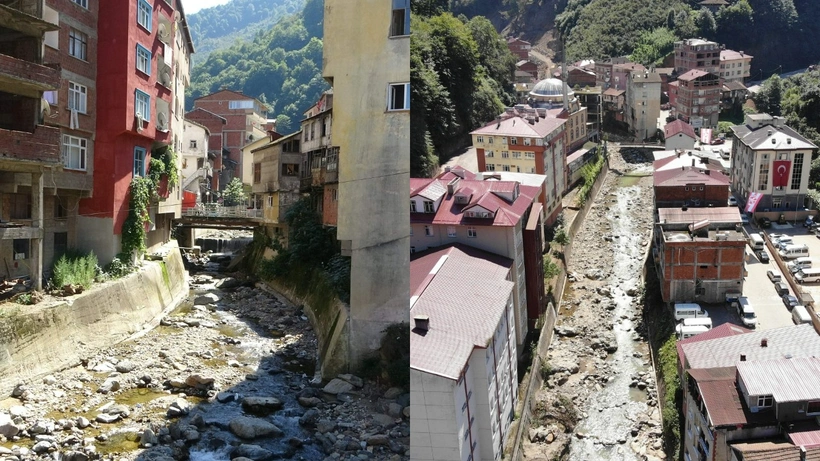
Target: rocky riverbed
228, 375
600, 399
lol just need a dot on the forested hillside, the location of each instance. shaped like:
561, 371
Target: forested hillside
220, 26
282, 66
461, 75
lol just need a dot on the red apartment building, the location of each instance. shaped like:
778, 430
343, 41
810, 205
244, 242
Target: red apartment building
244, 121
697, 53
134, 110
27, 146
697, 99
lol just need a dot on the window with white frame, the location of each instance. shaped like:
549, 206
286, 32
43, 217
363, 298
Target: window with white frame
428, 206
412, 206
527, 141
505, 154
451, 231
516, 154
82, 3
77, 44
74, 152
471, 232
513, 141
764, 401
490, 140
428, 231
77, 97
490, 167
489, 153
144, 11
398, 96
193, 144
143, 60
539, 142
505, 167
479, 139
142, 105
139, 161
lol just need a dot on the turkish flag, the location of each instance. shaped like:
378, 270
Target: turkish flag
780, 173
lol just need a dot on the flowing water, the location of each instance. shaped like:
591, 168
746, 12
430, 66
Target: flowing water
612, 411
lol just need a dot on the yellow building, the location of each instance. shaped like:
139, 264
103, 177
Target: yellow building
367, 61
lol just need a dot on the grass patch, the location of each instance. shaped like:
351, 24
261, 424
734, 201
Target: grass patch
74, 268
165, 277
590, 173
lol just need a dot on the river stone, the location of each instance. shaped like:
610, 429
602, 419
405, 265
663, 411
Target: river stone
19, 411
178, 408
251, 452
394, 409
354, 380
7, 427
200, 382
392, 393
336, 386
325, 425
125, 366
261, 405
207, 298
251, 428
309, 418
148, 438
377, 440
109, 385
309, 402
107, 418
41, 447
384, 420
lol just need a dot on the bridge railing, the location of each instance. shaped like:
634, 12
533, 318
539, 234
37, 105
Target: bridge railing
215, 210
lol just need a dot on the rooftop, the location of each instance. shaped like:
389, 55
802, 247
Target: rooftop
778, 450
464, 292
679, 126
731, 55
770, 136
694, 214
531, 125
786, 380
693, 74
687, 175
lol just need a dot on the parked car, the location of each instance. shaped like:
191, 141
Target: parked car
762, 256
744, 218
783, 242
774, 275
717, 141
765, 223
781, 288
732, 200
790, 301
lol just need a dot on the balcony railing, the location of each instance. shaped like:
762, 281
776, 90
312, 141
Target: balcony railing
29, 7
16, 74
215, 210
41, 146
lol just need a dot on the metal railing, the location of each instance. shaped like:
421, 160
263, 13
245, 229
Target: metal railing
215, 210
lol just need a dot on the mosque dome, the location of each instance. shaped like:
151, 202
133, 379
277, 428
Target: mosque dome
550, 87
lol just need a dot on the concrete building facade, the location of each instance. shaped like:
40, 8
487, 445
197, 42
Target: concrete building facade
735, 66
679, 135
697, 54
643, 103
320, 159
197, 166
371, 126
697, 99
463, 368
276, 179
770, 159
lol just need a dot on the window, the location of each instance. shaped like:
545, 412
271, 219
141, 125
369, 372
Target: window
813, 407
144, 11
539, 142
82, 3
334, 195
143, 60
412, 206
74, 152
479, 139
51, 97
764, 401
60, 244
257, 173
313, 131
77, 44
193, 144
451, 231
428, 231
19, 206
142, 105
797, 171
516, 154
505, 167
471, 232
505, 154
400, 23
290, 169
490, 167
490, 140
763, 176
489, 153
20, 248
60, 211
527, 141
77, 97
139, 161
398, 96
513, 141
428, 206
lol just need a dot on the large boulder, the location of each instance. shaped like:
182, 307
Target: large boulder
251, 428
261, 406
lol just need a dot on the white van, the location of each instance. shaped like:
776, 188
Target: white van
684, 331
689, 311
794, 251
746, 312
808, 275
756, 241
800, 315
803, 262
700, 321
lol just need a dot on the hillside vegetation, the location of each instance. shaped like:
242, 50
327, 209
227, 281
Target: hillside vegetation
281, 66
461, 75
220, 26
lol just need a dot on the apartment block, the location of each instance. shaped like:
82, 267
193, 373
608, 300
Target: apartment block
276, 179
697, 54
463, 361
643, 103
320, 159
735, 66
197, 162
697, 99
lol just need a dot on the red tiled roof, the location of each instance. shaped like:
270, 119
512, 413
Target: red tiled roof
679, 126
464, 292
455, 172
731, 55
725, 407
519, 126
484, 194
690, 175
612, 91
675, 83
773, 450
692, 74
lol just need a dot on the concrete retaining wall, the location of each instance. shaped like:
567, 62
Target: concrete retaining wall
35, 341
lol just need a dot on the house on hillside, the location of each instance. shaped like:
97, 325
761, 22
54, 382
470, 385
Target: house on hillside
520, 48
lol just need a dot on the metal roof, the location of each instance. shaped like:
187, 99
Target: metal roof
694, 214
770, 137
786, 380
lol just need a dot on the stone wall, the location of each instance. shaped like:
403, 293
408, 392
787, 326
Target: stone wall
35, 340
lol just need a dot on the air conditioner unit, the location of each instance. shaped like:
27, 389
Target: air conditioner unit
19, 256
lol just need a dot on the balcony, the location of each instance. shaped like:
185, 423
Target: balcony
42, 147
9, 231
27, 78
25, 16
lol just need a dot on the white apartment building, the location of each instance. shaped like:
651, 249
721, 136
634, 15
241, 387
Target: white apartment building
735, 66
643, 103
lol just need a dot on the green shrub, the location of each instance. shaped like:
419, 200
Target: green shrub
74, 268
117, 268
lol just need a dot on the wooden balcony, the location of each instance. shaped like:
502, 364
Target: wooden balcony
27, 78
42, 147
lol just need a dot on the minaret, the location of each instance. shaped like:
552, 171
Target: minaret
564, 79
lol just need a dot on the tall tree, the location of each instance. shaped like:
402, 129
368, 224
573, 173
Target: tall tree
706, 23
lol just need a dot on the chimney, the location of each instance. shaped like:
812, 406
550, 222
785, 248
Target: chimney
422, 322
742, 357
693, 162
447, 169
788, 140
764, 342
708, 172
451, 187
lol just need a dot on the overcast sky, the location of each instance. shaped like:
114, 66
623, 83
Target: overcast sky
192, 6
